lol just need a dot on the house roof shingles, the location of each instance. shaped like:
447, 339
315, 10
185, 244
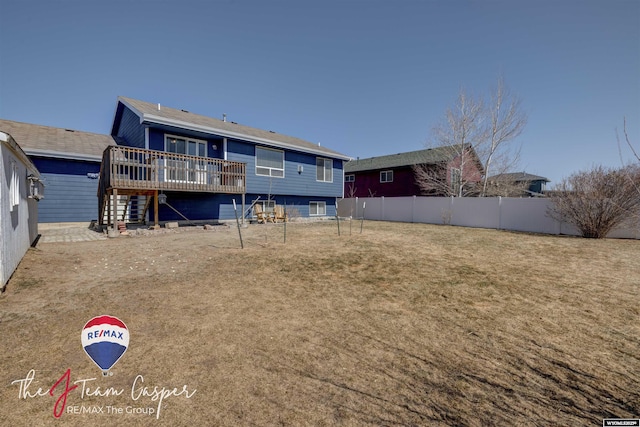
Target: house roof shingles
46, 141
160, 114
518, 177
410, 158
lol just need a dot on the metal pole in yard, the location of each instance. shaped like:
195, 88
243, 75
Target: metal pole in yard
338, 220
362, 219
285, 221
238, 223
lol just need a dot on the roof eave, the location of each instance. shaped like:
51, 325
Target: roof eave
151, 118
18, 151
62, 155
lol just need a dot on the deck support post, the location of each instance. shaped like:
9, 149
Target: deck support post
115, 211
108, 210
155, 209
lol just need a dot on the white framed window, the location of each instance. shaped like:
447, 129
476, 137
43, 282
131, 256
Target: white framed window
177, 170
317, 208
324, 169
350, 178
183, 145
269, 162
386, 176
14, 187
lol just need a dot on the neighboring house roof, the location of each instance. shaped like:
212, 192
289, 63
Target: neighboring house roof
518, 177
46, 141
159, 114
8, 140
429, 156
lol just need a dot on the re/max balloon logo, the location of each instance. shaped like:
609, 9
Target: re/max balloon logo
105, 339
107, 333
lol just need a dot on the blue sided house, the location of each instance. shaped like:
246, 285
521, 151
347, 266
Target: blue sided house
69, 164
173, 165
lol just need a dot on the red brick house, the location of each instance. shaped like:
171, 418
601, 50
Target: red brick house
395, 174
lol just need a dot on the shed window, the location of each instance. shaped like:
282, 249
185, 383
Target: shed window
350, 178
14, 186
386, 176
269, 162
324, 169
317, 208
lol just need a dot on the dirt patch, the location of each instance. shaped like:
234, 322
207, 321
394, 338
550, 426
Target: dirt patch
404, 324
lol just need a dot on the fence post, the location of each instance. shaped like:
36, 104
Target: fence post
499, 212
413, 209
382, 206
451, 210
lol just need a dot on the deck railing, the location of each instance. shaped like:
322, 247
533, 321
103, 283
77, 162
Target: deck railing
138, 169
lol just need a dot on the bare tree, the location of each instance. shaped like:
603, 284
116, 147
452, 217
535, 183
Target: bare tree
456, 178
626, 139
507, 123
351, 194
597, 200
635, 154
432, 180
473, 129
457, 135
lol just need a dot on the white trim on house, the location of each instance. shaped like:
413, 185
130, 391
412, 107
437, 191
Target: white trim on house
224, 148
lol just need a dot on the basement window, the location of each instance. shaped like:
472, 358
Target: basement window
317, 208
267, 205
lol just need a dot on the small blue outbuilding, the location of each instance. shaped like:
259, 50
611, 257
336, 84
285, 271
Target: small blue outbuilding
69, 165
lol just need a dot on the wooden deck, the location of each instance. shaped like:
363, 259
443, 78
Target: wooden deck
138, 172
134, 168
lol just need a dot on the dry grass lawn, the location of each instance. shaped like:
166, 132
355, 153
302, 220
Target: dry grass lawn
404, 324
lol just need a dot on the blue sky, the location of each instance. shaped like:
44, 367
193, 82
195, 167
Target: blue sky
365, 78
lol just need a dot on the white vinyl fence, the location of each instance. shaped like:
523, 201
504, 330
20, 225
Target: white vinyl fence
502, 213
